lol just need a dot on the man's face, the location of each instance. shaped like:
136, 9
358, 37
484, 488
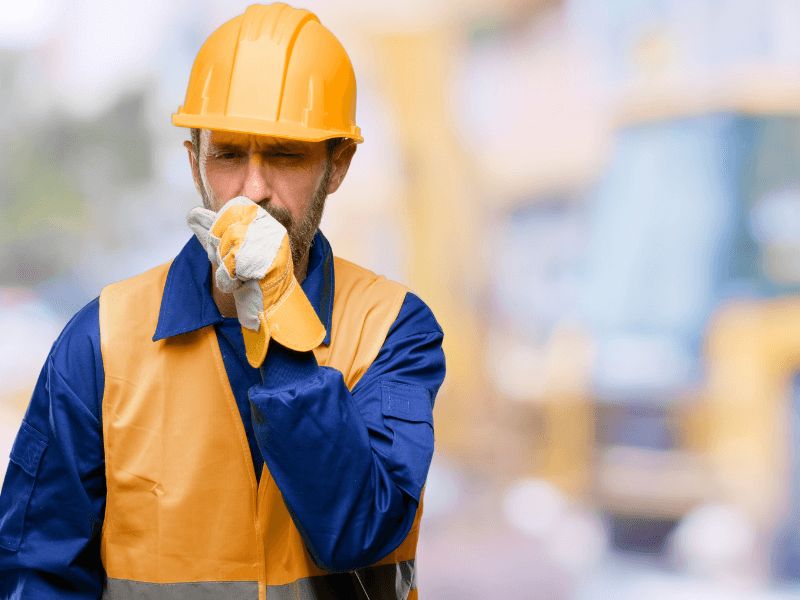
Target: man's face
289, 179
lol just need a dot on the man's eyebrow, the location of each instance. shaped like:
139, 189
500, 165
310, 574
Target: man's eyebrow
276, 146
280, 146
225, 147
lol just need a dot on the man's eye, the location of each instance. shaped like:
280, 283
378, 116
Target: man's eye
286, 155
227, 155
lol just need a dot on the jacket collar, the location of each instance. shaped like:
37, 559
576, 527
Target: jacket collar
187, 303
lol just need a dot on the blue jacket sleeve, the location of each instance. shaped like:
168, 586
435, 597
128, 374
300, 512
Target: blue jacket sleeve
351, 465
53, 495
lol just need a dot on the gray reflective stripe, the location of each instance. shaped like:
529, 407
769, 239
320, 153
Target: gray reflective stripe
384, 582
125, 589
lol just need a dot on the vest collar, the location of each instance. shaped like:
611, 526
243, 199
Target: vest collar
187, 303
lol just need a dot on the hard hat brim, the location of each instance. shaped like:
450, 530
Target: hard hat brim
278, 129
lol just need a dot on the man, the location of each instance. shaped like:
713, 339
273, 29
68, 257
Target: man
253, 419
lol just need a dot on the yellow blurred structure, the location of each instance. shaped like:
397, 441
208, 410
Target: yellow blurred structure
442, 226
753, 356
726, 434
713, 423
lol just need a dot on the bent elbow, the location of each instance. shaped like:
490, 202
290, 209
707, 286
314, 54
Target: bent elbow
355, 548
349, 560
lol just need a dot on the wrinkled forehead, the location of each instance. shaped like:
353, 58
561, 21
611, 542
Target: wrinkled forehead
216, 139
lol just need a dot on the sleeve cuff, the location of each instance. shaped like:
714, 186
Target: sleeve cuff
284, 367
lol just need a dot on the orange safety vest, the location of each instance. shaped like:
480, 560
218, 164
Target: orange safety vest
185, 518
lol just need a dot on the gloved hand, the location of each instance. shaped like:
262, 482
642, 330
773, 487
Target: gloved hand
254, 263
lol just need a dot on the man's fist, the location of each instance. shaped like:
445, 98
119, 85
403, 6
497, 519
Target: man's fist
254, 263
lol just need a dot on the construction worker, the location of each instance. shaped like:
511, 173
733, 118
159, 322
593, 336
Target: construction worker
254, 418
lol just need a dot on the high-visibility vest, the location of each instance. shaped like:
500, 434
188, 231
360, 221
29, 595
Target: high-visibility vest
185, 517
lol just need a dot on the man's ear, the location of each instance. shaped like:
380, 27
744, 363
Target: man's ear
194, 166
340, 163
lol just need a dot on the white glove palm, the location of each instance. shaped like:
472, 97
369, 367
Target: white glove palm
251, 251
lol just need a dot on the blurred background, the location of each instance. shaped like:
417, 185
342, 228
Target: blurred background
600, 199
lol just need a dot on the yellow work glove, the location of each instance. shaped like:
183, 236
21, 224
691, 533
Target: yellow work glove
254, 263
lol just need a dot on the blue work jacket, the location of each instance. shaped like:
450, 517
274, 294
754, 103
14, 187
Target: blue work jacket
53, 497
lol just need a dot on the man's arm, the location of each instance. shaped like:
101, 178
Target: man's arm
53, 495
351, 466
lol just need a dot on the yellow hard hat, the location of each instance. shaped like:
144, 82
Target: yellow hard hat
277, 71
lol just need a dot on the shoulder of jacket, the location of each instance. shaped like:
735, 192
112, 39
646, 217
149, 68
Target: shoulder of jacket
350, 276
156, 275
365, 307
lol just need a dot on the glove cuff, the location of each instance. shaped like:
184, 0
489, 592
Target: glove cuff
292, 321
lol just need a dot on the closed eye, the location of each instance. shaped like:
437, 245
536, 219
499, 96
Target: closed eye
227, 155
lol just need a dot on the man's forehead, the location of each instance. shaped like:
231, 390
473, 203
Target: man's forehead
245, 140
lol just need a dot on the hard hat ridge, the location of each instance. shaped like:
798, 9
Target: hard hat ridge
275, 70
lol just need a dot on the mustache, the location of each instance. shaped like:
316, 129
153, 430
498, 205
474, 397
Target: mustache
280, 214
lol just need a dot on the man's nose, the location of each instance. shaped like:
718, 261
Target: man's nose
257, 182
